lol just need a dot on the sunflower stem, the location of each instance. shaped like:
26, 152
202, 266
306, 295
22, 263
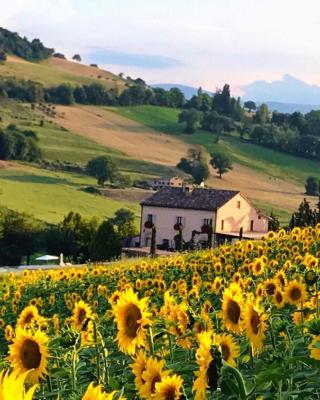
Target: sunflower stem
96, 349
272, 335
170, 347
49, 383
151, 341
239, 378
251, 356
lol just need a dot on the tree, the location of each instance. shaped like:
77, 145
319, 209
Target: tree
222, 101
250, 105
153, 245
106, 244
221, 163
3, 56
304, 216
103, 169
312, 186
262, 114
20, 235
77, 57
200, 171
124, 220
191, 118
273, 223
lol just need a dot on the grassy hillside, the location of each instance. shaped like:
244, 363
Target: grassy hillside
58, 143
269, 161
54, 71
49, 196
273, 180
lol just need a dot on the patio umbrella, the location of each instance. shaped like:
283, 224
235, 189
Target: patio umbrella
47, 258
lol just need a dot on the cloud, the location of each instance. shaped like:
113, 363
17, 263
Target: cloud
148, 61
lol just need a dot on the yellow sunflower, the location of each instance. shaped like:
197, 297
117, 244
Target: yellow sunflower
138, 367
231, 310
153, 374
270, 286
132, 318
96, 393
255, 324
295, 292
27, 316
258, 266
169, 388
314, 348
29, 353
230, 350
12, 387
82, 314
279, 298
203, 359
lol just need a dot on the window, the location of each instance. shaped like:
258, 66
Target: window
259, 216
238, 204
222, 224
207, 221
179, 220
251, 225
150, 218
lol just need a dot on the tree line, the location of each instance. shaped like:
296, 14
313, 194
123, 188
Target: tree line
78, 238
91, 94
13, 43
221, 113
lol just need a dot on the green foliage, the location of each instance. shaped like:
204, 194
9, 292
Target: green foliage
19, 236
312, 186
250, 105
103, 169
124, 220
12, 43
273, 223
77, 57
305, 215
191, 118
221, 163
262, 114
106, 244
18, 145
3, 56
195, 164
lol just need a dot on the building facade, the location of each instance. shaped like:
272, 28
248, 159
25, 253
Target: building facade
174, 181
228, 214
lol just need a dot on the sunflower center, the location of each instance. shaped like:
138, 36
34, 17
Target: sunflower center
28, 318
279, 297
255, 322
132, 318
170, 394
155, 379
82, 315
30, 354
295, 294
233, 311
271, 288
225, 350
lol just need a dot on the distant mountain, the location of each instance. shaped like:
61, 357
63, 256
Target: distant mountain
287, 90
290, 108
188, 91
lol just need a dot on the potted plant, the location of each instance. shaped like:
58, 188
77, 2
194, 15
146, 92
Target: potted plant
148, 224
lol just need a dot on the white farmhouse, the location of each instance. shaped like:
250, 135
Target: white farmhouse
228, 212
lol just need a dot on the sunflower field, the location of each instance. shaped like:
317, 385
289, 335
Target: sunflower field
237, 322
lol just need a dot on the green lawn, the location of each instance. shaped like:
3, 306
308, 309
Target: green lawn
268, 161
49, 196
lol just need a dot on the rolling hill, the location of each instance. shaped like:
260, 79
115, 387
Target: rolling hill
145, 141
54, 71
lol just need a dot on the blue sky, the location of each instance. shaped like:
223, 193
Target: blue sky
203, 42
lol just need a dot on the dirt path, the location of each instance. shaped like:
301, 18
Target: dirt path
120, 133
